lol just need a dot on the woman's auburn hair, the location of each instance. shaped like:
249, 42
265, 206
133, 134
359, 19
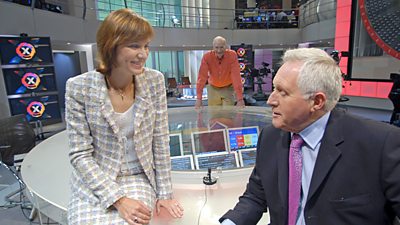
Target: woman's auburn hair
120, 27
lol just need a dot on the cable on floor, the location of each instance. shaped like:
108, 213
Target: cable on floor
204, 204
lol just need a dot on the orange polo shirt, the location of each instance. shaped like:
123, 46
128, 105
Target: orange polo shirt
220, 72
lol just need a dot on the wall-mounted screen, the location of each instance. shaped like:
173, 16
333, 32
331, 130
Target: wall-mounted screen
21, 81
223, 160
209, 141
43, 108
182, 162
242, 138
247, 157
25, 50
175, 144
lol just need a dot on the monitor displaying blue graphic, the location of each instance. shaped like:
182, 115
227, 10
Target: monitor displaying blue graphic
182, 162
223, 160
247, 157
43, 108
175, 144
242, 138
210, 141
25, 50
20, 81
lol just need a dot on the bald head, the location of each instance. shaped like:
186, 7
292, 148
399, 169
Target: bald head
219, 46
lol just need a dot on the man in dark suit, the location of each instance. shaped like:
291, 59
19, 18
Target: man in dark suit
349, 167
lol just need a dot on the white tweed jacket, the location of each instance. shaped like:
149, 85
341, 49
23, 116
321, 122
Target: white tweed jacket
96, 148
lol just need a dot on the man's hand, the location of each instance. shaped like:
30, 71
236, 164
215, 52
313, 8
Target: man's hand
198, 104
172, 206
133, 211
240, 103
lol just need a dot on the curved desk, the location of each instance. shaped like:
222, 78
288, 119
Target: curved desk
46, 171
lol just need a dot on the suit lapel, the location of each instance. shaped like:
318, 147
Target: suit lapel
283, 171
142, 100
142, 130
105, 103
328, 154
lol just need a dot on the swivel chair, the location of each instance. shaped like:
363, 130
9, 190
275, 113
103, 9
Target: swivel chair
185, 81
172, 87
16, 137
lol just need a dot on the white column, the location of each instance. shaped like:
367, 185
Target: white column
222, 14
205, 13
187, 64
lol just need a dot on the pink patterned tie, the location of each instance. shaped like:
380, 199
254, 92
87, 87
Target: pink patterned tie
295, 167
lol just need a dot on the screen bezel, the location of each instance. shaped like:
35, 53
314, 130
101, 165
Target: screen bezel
196, 158
184, 156
240, 128
49, 52
180, 142
241, 156
9, 72
196, 152
45, 121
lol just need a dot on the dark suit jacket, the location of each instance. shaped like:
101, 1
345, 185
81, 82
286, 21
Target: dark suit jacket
356, 178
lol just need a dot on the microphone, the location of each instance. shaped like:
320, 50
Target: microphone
208, 179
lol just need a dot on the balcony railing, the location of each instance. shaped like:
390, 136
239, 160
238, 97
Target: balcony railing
180, 16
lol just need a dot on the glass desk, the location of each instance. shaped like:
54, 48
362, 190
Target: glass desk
46, 169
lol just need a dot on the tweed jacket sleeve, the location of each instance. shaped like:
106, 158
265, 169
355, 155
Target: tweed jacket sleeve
160, 144
81, 147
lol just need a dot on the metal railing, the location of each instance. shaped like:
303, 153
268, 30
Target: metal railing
180, 16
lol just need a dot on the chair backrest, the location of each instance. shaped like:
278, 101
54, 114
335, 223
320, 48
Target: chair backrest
172, 83
16, 137
185, 81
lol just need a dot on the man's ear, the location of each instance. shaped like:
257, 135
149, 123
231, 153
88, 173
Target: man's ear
319, 101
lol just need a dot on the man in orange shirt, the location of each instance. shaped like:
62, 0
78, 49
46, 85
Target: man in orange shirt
220, 67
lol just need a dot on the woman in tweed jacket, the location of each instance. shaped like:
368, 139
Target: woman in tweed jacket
117, 125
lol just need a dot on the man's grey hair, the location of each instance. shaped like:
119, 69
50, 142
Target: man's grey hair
319, 73
219, 38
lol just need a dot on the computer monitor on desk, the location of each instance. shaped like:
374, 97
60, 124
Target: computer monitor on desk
223, 160
209, 141
247, 157
242, 138
175, 144
184, 162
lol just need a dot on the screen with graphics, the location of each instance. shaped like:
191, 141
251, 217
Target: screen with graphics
25, 50
247, 157
21, 81
223, 160
242, 138
43, 108
182, 162
209, 141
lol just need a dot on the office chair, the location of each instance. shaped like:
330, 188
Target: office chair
172, 87
16, 137
185, 81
